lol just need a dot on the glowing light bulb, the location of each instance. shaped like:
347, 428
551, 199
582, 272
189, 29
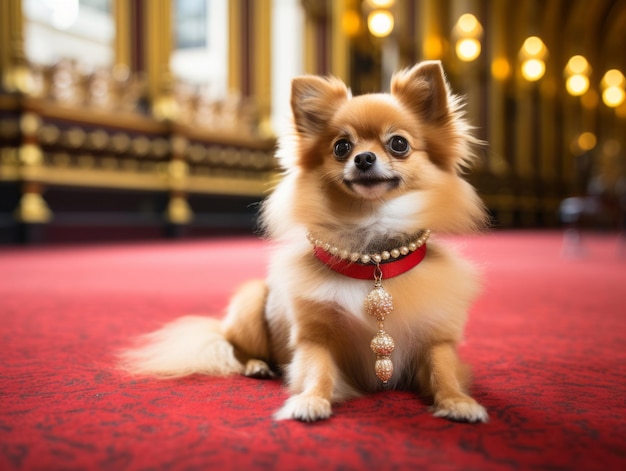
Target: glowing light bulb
380, 23
533, 69
534, 46
577, 65
613, 78
613, 96
468, 24
577, 84
468, 49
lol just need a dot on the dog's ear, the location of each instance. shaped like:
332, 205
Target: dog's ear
423, 89
314, 100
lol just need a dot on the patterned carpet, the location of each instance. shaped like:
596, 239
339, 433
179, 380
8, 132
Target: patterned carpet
547, 342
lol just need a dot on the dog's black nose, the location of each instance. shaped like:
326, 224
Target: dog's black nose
364, 160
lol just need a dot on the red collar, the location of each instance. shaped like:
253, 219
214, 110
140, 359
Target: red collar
360, 271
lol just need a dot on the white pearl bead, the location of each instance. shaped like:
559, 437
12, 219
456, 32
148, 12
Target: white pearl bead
354, 256
334, 250
385, 255
377, 257
404, 250
412, 246
365, 258
344, 254
395, 253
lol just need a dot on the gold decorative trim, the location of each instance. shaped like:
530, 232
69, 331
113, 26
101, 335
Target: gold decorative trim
178, 210
33, 209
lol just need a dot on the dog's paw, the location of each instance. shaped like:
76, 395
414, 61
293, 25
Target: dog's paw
306, 408
258, 369
461, 409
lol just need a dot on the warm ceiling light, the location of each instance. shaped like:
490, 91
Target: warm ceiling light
533, 69
613, 78
534, 47
468, 25
380, 23
577, 65
468, 49
613, 96
577, 84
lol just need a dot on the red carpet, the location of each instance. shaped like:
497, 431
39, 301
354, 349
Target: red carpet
547, 341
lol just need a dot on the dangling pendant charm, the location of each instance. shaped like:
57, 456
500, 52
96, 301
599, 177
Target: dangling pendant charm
379, 304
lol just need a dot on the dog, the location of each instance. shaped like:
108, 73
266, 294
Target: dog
358, 298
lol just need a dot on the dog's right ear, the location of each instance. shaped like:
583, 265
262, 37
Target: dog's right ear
314, 100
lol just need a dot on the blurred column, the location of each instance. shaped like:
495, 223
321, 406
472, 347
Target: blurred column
339, 50
158, 49
500, 73
250, 61
13, 64
122, 45
431, 17
32, 211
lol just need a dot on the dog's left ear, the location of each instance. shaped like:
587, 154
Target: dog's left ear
423, 89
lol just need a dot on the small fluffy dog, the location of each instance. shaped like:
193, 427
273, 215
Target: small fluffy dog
356, 298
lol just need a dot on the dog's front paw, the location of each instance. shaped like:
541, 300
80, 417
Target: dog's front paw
258, 369
461, 409
306, 408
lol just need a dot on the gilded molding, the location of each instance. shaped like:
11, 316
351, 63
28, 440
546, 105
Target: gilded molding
33, 209
178, 210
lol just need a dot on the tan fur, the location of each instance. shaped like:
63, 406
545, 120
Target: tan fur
308, 322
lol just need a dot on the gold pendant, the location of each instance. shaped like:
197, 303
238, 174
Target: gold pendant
379, 304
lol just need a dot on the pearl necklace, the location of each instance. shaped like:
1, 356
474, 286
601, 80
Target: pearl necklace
378, 303
366, 258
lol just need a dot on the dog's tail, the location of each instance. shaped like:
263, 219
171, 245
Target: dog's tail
186, 346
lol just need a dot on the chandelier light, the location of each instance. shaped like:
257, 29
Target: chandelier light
613, 94
533, 54
380, 23
577, 73
468, 31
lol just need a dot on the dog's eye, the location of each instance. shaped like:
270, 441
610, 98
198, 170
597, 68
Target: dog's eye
398, 146
342, 148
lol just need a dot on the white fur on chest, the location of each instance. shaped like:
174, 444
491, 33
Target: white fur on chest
289, 280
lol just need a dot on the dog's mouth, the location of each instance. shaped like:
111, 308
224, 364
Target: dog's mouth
371, 182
